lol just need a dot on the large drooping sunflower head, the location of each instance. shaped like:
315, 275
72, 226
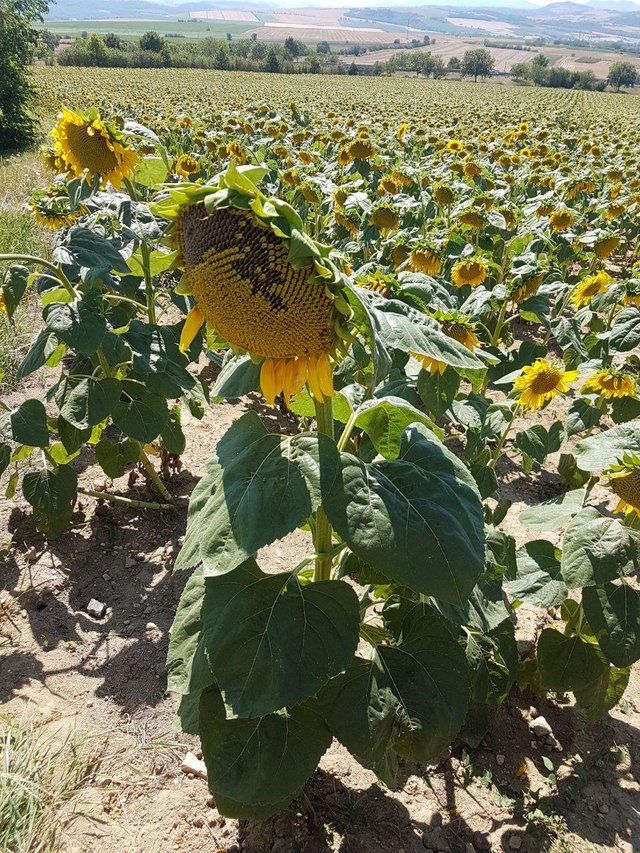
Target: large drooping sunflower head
455, 325
542, 381
472, 271
264, 286
625, 484
85, 143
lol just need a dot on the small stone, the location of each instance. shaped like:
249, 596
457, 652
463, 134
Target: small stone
151, 626
96, 608
193, 765
515, 842
603, 808
99, 486
106, 576
541, 727
534, 744
500, 759
90, 703
129, 563
31, 554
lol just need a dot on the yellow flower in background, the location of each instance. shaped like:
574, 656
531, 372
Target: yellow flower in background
84, 143
589, 287
472, 271
542, 381
610, 384
561, 220
186, 166
605, 247
455, 146
3, 304
385, 218
360, 149
425, 259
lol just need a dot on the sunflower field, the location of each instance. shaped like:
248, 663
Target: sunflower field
437, 286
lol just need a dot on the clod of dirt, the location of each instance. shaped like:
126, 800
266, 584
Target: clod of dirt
541, 727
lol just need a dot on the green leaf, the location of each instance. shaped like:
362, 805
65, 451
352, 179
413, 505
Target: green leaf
113, 458
71, 437
77, 325
42, 349
304, 406
604, 693
597, 549
537, 442
554, 513
14, 286
86, 402
51, 494
157, 357
271, 642
410, 698
26, 425
438, 391
601, 451
613, 611
625, 333
385, 421
567, 663
238, 377
143, 418
5, 458
150, 171
417, 519
581, 417
172, 437
185, 635
95, 256
258, 487
256, 767
538, 581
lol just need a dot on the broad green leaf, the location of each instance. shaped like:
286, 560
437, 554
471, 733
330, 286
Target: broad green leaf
568, 663
77, 325
51, 494
613, 611
599, 452
625, 333
150, 171
95, 255
256, 767
26, 425
172, 437
303, 405
538, 581
5, 458
581, 417
86, 402
554, 513
271, 642
113, 457
156, 356
185, 634
417, 519
239, 376
438, 391
42, 349
143, 418
537, 442
385, 421
258, 487
14, 286
603, 694
71, 437
597, 549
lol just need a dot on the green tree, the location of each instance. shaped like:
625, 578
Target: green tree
294, 47
323, 47
152, 41
353, 70
96, 50
477, 63
113, 41
18, 40
622, 74
272, 62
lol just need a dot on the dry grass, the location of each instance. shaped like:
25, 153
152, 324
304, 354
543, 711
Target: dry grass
42, 781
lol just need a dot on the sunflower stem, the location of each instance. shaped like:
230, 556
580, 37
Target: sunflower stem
323, 537
146, 263
118, 499
153, 476
56, 270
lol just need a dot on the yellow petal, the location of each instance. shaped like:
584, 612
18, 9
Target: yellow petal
268, 381
193, 324
325, 375
291, 369
280, 370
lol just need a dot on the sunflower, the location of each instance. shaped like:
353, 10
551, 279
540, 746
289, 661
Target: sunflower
523, 289
399, 252
425, 259
589, 287
610, 383
53, 208
237, 153
388, 186
385, 218
472, 219
625, 484
443, 195
262, 285
348, 220
605, 247
471, 271
85, 143
455, 326
360, 149
542, 381
632, 296
455, 146
186, 165
561, 220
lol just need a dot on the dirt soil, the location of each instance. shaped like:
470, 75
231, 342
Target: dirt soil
106, 678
